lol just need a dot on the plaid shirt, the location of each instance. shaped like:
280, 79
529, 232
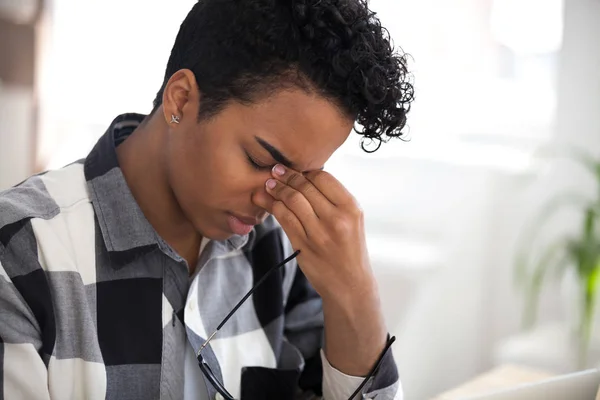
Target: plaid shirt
94, 304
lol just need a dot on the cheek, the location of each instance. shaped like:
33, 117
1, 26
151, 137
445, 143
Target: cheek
231, 171
212, 174
237, 178
225, 180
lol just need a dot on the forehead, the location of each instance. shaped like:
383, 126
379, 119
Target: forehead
306, 128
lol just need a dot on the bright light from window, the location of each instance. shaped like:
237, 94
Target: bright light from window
482, 68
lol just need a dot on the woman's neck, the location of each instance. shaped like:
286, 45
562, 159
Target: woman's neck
141, 158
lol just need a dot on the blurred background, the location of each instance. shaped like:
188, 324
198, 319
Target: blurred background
504, 88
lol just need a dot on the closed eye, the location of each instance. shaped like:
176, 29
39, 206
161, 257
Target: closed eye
256, 165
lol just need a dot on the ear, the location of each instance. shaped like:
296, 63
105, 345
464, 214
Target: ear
181, 96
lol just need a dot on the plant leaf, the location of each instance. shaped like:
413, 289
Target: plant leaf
552, 258
529, 234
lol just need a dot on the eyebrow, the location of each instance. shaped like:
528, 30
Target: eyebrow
275, 153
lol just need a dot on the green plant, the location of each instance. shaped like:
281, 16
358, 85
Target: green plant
580, 252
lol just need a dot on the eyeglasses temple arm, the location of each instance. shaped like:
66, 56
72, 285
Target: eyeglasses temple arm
239, 304
389, 343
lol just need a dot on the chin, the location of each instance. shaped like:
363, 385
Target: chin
213, 232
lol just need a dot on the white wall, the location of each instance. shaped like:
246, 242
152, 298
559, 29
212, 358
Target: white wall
433, 304
578, 124
16, 124
579, 83
449, 315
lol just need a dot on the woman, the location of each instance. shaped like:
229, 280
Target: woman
118, 273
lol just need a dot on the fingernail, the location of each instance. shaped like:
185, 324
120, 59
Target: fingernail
279, 169
271, 183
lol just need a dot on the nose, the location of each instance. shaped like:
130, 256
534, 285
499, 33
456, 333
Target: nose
260, 190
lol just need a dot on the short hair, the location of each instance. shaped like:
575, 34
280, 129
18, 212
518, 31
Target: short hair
243, 50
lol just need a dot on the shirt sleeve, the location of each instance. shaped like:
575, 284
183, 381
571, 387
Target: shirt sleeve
23, 374
339, 386
336, 384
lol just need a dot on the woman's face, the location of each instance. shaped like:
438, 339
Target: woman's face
215, 167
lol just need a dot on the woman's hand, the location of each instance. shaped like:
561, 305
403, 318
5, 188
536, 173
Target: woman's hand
323, 220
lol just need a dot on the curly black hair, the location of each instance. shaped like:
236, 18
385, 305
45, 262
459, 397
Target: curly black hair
244, 49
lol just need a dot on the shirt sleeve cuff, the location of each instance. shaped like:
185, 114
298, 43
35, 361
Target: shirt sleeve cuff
336, 384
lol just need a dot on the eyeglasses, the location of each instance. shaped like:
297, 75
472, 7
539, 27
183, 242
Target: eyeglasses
214, 381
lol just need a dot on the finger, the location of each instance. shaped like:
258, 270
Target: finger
295, 202
290, 223
286, 218
331, 188
319, 202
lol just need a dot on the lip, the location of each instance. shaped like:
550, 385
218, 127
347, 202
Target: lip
246, 220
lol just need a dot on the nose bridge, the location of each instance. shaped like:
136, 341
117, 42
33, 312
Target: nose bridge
260, 181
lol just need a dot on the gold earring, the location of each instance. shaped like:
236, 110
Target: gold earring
175, 119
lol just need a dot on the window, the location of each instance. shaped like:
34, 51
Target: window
485, 70
485, 75
100, 58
